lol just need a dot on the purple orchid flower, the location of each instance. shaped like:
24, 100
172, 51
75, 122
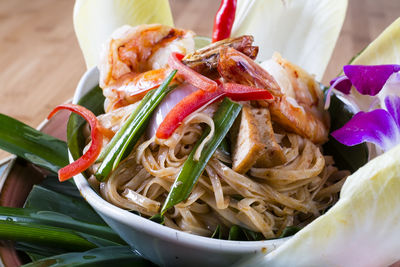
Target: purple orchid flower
378, 126
368, 80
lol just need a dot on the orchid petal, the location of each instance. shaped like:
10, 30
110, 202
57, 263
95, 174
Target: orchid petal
342, 83
391, 87
377, 127
392, 104
369, 80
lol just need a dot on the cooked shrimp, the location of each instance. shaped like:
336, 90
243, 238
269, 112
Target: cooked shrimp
298, 103
205, 60
131, 87
134, 50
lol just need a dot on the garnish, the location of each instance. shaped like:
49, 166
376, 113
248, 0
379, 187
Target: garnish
224, 19
91, 154
378, 84
128, 135
192, 169
209, 92
191, 76
200, 98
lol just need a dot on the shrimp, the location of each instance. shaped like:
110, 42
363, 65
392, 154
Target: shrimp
298, 103
134, 60
205, 60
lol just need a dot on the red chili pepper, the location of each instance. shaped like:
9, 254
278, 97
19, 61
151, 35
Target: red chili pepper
199, 98
224, 19
240, 92
184, 108
191, 76
91, 154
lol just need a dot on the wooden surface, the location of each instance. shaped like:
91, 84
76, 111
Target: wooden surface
41, 63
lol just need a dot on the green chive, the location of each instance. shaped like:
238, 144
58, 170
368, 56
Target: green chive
191, 170
125, 139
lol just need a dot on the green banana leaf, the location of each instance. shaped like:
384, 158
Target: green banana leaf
44, 199
100, 235
110, 256
26, 142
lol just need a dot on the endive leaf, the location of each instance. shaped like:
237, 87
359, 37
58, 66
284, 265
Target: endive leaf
109, 256
302, 31
95, 20
385, 49
361, 229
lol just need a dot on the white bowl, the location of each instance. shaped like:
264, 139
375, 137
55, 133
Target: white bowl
160, 244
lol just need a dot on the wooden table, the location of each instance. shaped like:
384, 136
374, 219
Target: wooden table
41, 63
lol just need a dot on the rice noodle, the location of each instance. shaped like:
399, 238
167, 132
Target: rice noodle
265, 200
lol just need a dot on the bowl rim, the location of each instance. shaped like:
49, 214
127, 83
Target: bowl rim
145, 225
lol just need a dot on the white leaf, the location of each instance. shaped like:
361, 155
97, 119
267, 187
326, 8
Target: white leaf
95, 20
302, 31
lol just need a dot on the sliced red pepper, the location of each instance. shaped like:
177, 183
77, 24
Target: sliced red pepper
240, 92
224, 19
184, 108
90, 156
199, 98
191, 76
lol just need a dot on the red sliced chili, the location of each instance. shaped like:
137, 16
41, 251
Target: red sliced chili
90, 156
224, 19
240, 92
191, 76
184, 108
199, 98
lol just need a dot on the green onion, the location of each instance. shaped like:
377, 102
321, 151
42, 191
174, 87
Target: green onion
289, 231
225, 147
34, 146
217, 233
158, 218
252, 236
192, 169
236, 233
128, 135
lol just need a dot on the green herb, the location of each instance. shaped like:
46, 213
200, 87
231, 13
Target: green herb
225, 147
217, 233
128, 135
289, 231
242, 234
252, 236
26, 142
236, 233
192, 169
158, 218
